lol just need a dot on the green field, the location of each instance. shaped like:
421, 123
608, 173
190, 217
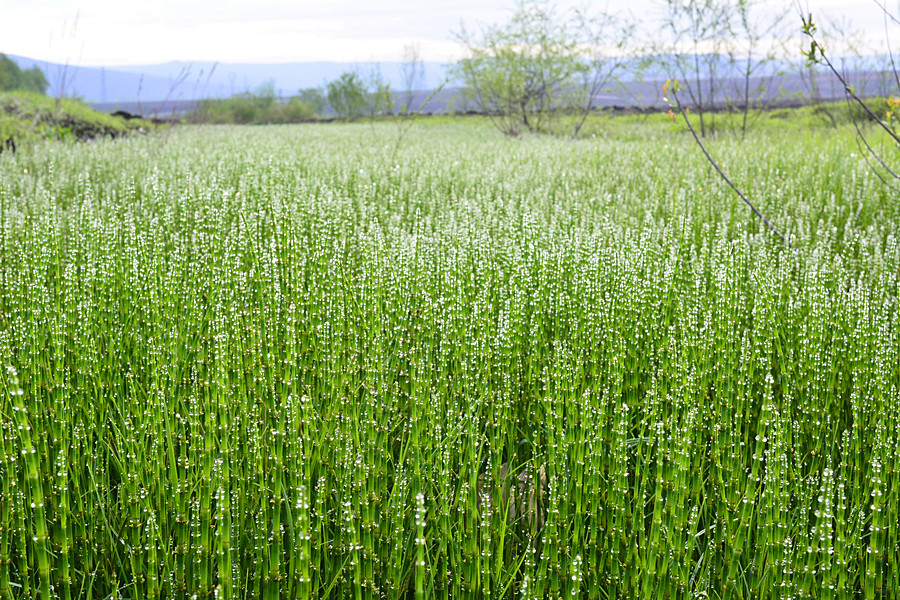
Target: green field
311, 362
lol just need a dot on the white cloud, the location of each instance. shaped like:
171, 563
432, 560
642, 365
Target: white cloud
108, 32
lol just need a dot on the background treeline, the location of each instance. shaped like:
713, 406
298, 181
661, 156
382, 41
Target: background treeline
352, 95
12, 78
547, 69
261, 106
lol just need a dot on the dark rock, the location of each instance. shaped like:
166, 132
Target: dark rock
126, 115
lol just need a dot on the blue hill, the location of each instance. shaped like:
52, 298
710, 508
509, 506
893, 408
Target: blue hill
190, 81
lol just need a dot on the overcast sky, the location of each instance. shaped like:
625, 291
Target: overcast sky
123, 32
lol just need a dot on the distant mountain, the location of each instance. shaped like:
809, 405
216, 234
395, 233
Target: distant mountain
231, 79
173, 88
184, 81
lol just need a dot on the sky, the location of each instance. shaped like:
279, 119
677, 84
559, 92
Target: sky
124, 32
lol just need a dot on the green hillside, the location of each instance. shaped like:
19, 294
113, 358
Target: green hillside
27, 116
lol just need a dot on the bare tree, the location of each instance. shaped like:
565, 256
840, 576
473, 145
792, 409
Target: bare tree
876, 158
412, 72
697, 49
759, 43
603, 39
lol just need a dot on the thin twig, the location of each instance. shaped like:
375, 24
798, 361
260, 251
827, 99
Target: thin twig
404, 126
886, 12
887, 39
872, 166
721, 172
816, 54
848, 90
869, 148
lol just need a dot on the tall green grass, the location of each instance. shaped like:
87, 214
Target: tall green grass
288, 362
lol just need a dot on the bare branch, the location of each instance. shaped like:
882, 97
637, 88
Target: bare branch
674, 92
861, 139
816, 54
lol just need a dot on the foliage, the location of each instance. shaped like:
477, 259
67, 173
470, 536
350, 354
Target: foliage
314, 97
379, 97
269, 365
347, 95
12, 78
873, 150
259, 107
26, 117
516, 72
353, 95
540, 66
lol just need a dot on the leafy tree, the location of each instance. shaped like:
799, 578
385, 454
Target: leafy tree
543, 70
315, 98
13, 78
261, 106
378, 95
298, 110
266, 96
10, 74
517, 73
353, 95
35, 80
347, 95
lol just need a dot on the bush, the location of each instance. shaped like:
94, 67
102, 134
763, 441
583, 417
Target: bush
253, 108
30, 116
13, 78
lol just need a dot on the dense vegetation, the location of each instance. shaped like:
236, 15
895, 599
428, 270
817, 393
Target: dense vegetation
28, 117
349, 97
12, 78
260, 107
305, 362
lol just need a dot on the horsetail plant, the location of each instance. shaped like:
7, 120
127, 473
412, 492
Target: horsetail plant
271, 365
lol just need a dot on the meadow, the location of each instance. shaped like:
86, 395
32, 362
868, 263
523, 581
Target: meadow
310, 362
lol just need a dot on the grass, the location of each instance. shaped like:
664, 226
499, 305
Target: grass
289, 361
28, 117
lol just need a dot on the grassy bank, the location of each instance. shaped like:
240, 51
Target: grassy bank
26, 118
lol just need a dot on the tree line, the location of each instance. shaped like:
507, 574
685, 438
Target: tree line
352, 95
13, 79
545, 69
